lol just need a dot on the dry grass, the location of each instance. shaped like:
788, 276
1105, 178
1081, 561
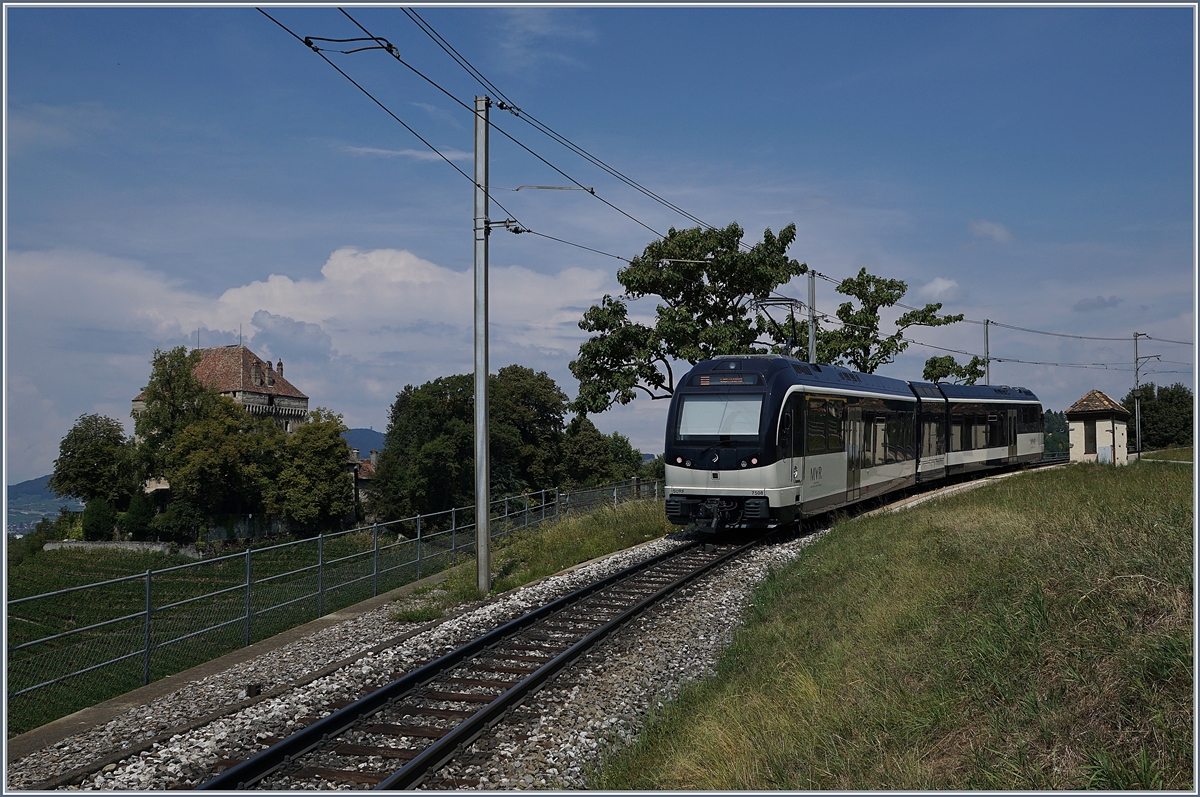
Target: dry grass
1032, 634
540, 551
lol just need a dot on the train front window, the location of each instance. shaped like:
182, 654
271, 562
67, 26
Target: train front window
715, 418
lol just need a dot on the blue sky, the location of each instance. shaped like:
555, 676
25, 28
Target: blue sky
169, 169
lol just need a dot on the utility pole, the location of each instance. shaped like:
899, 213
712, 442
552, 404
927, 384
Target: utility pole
482, 491
812, 316
1137, 389
1137, 399
987, 358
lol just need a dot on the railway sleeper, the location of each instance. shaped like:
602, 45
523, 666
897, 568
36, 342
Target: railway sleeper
423, 731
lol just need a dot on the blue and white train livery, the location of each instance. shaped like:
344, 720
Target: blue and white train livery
761, 440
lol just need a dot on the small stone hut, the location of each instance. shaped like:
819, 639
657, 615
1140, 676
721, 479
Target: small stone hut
1097, 430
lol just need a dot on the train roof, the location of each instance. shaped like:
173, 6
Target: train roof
981, 392
806, 373
836, 376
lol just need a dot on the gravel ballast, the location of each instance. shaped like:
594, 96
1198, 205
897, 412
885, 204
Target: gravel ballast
600, 702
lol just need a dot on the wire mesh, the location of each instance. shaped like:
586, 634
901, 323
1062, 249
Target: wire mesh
77, 647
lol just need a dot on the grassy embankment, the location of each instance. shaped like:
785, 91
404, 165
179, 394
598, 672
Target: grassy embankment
1177, 454
522, 557
526, 556
1032, 634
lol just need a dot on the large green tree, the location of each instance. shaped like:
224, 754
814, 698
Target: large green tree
1166, 415
592, 458
858, 343
706, 285
93, 462
224, 463
174, 399
428, 460
947, 369
313, 490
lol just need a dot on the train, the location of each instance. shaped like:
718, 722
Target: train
763, 440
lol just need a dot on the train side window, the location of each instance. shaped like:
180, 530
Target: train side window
879, 439
957, 438
814, 432
834, 413
785, 431
797, 404
995, 431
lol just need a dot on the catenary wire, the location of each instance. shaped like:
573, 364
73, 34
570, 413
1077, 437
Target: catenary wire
505, 133
1025, 329
537, 124
435, 149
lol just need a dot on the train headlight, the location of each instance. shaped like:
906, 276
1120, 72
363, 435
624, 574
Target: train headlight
678, 460
753, 460
687, 462
743, 463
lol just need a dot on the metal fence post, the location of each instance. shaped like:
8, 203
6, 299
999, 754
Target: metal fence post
614, 498
557, 498
506, 515
418, 547
247, 635
526, 497
146, 656
453, 528
542, 501
320, 575
655, 490
375, 574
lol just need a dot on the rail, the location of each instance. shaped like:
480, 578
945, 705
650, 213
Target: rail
110, 637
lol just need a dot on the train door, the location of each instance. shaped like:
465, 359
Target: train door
854, 440
1012, 433
791, 431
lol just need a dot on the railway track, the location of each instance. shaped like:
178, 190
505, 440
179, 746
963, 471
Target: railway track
400, 734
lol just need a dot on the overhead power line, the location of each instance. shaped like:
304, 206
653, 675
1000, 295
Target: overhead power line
1125, 339
395, 54
387, 46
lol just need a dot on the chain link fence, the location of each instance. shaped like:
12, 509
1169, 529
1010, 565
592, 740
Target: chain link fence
76, 647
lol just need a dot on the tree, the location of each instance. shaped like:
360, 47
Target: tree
592, 458
947, 369
139, 516
174, 399
706, 285
92, 462
180, 522
858, 343
532, 406
428, 460
1057, 432
1166, 415
313, 490
223, 463
99, 518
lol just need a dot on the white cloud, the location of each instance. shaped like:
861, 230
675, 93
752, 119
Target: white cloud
415, 154
1097, 303
530, 35
55, 126
439, 114
82, 328
940, 289
991, 229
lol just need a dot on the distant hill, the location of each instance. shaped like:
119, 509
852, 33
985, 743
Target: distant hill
30, 501
364, 440
33, 487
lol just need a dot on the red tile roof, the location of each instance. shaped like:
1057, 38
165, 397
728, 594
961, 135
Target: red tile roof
231, 368
1097, 402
